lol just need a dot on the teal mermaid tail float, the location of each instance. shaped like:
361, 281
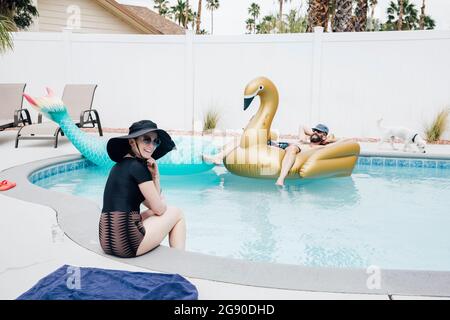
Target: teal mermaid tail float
185, 160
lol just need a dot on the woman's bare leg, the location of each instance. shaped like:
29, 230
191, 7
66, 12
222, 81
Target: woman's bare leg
171, 223
287, 163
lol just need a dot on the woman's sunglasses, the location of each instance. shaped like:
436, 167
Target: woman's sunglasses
148, 140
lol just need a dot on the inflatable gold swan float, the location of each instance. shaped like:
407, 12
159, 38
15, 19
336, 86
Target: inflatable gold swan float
255, 158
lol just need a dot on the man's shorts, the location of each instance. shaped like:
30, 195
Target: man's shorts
284, 145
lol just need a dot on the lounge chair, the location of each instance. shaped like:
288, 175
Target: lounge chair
12, 115
78, 98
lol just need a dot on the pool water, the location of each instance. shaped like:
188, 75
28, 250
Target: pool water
391, 217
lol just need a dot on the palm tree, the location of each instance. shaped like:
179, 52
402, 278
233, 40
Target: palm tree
178, 11
331, 13
280, 17
250, 25
254, 10
6, 27
406, 18
296, 23
182, 14
373, 4
267, 25
20, 12
422, 16
199, 17
317, 14
361, 15
186, 14
162, 7
401, 12
212, 5
343, 21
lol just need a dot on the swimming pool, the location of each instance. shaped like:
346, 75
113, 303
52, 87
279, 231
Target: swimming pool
394, 217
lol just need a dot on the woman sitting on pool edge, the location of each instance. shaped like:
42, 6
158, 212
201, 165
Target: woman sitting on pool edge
308, 138
134, 180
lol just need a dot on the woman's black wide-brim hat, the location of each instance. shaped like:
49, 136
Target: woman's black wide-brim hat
118, 147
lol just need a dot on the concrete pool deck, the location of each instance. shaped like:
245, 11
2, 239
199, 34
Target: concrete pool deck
33, 244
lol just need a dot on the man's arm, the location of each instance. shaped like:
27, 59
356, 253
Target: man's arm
304, 134
331, 138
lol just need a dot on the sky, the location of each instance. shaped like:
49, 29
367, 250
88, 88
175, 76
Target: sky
230, 18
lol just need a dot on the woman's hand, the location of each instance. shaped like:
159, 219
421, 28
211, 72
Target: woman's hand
147, 213
153, 168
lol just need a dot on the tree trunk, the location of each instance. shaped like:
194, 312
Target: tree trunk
361, 15
331, 14
199, 17
343, 21
317, 14
186, 15
212, 21
401, 11
422, 16
281, 14
372, 15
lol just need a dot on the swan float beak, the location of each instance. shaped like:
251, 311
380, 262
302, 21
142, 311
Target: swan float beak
247, 101
248, 98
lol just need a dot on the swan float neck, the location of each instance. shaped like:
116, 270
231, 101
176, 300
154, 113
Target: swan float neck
258, 129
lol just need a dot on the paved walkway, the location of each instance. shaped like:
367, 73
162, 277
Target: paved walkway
32, 244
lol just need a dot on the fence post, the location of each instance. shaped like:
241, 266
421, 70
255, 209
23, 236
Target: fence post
316, 76
189, 82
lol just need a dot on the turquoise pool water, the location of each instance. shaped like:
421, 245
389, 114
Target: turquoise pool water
391, 217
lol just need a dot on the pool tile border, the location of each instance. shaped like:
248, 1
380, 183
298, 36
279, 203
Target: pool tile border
363, 161
61, 168
402, 162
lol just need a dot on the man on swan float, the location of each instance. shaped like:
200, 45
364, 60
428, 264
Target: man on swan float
255, 155
308, 138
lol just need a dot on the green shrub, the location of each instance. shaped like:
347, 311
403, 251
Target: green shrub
211, 119
438, 126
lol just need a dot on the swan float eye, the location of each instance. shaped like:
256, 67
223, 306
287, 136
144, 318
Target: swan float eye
261, 88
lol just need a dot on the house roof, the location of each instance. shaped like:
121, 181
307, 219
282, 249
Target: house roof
142, 18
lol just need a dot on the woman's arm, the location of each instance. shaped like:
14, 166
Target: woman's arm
153, 198
154, 171
147, 213
163, 199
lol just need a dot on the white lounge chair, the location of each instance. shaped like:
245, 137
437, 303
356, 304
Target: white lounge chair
78, 99
12, 115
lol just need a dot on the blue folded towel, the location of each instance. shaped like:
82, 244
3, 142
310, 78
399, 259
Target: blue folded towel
77, 283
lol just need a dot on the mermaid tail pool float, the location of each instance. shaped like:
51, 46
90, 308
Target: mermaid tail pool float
186, 159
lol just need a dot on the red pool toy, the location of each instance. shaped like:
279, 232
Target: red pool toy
6, 185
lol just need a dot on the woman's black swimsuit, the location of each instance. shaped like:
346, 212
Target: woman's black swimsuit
120, 229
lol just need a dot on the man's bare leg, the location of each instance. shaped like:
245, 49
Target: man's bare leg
218, 158
287, 163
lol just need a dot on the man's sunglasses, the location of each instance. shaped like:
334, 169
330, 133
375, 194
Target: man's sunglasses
318, 131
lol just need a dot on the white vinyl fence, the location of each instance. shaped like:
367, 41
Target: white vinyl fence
345, 80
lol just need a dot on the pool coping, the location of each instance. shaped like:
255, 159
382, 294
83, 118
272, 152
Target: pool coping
202, 266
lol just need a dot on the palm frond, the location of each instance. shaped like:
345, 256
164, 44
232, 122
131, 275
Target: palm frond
6, 40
